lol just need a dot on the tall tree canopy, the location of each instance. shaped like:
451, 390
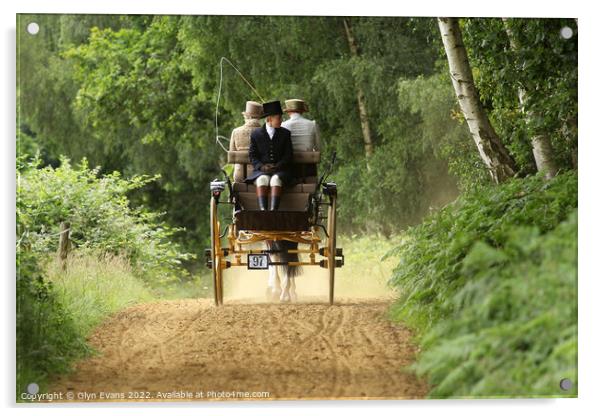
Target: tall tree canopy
137, 94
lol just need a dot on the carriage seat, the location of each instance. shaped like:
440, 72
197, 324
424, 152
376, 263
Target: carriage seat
294, 197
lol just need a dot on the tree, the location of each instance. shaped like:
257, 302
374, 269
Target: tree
311, 59
138, 98
500, 164
542, 145
541, 62
361, 97
46, 87
137, 94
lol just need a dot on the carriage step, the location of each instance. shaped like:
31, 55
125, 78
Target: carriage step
209, 260
337, 263
338, 251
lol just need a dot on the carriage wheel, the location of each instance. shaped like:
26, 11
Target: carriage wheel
332, 244
216, 255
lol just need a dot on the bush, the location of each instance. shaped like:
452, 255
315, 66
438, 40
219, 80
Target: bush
489, 283
57, 309
47, 339
100, 216
94, 285
114, 246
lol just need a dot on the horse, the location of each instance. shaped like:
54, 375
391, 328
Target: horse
288, 287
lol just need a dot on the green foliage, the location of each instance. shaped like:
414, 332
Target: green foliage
138, 98
389, 195
484, 280
408, 173
514, 329
46, 336
57, 308
46, 87
544, 65
92, 285
114, 247
100, 216
442, 129
430, 268
489, 283
136, 94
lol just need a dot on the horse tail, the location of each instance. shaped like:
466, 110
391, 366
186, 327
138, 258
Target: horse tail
285, 256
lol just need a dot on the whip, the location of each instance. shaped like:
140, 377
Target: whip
219, 93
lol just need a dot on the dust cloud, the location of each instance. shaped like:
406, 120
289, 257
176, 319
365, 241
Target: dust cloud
352, 281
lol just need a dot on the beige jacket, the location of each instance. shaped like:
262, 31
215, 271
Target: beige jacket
241, 140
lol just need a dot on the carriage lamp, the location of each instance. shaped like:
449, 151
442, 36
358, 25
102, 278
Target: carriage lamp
329, 188
217, 188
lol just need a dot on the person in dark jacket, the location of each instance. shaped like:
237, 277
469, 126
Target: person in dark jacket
271, 154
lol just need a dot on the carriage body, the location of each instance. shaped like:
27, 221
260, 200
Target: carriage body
307, 216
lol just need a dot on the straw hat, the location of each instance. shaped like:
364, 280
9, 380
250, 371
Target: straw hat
296, 105
253, 110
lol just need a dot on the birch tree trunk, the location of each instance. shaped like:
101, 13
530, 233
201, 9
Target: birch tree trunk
540, 142
361, 98
500, 164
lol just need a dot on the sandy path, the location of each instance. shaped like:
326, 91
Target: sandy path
292, 351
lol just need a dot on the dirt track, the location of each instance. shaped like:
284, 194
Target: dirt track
293, 351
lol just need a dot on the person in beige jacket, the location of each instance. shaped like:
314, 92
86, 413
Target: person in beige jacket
241, 136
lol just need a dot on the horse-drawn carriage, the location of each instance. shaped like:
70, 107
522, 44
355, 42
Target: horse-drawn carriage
299, 219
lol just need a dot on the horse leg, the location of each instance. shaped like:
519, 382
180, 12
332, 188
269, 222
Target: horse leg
271, 277
285, 294
273, 288
276, 289
293, 289
271, 282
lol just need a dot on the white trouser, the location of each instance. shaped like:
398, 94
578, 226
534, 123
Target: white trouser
265, 180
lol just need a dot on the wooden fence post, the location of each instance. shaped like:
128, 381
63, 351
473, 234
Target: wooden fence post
64, 244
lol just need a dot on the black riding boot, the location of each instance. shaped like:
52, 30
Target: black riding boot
275, 197
262, 197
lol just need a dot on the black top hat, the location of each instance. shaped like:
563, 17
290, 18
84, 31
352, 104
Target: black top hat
271, 108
